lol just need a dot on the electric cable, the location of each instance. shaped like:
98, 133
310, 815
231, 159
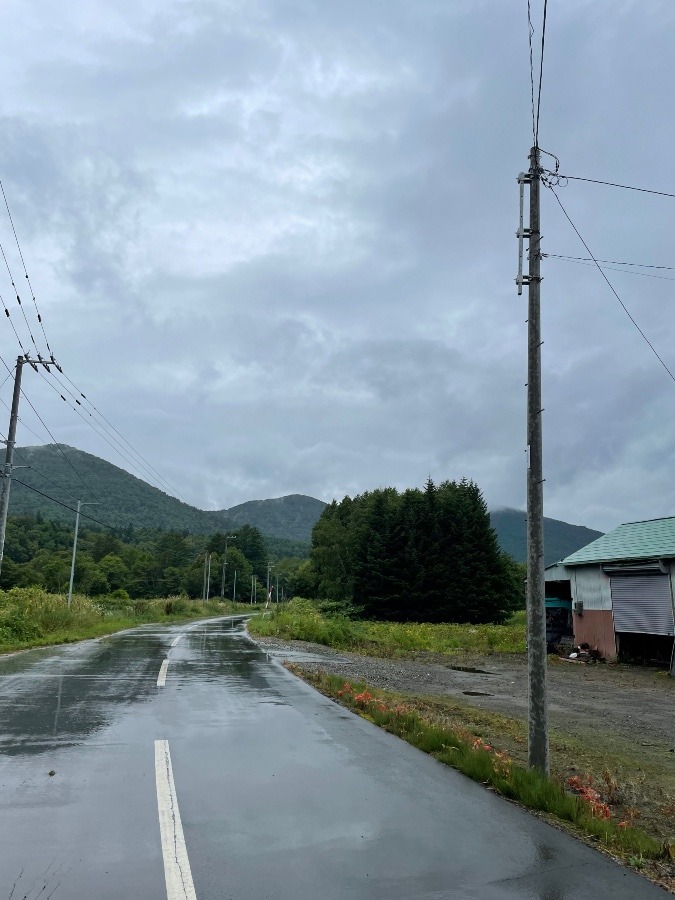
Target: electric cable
541, 73
25, 270
530, 35
589, 262
559, 178
56, 444
610, 285
149, 468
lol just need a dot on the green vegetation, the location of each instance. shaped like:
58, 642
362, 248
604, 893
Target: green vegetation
291, 517
136, 563
573, 801
424, 556
560, 538
124, 500
30, 617
302, 620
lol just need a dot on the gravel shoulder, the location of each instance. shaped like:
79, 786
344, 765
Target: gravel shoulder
636, 704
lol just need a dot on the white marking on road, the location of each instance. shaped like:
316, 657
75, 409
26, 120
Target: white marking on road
179, 884
175, 640
161, 678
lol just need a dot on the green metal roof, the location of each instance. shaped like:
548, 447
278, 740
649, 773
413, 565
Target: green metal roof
652, 539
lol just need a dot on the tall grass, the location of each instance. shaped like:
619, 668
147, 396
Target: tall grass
30, 617
302, 620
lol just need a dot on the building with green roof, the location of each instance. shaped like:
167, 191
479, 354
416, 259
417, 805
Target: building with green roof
621, 587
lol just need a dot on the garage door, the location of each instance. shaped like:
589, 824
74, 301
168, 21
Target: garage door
642, 604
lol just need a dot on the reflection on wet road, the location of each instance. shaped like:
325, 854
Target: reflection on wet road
118, 783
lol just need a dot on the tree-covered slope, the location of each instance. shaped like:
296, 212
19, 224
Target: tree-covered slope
291, 517
560, 538
121, 499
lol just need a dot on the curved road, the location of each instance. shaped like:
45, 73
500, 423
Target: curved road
187, 764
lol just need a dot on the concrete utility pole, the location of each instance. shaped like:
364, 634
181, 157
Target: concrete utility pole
11, 441
538, 745
228, 537
234, 588
208, 578
72, 562
277, 588
206, 556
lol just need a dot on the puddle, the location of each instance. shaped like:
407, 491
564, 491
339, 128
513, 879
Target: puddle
469, 669
476, 693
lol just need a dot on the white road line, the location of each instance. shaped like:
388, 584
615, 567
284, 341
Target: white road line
175, 640
161, 678
179, 884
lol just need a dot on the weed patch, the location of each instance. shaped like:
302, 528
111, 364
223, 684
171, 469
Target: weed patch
30, 617
301, 620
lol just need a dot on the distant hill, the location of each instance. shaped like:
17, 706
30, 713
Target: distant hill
291, 517
560, 538
68, 474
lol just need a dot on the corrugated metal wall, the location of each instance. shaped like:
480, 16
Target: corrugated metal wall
591, 586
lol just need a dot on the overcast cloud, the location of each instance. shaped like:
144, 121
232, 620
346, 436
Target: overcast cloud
273, 241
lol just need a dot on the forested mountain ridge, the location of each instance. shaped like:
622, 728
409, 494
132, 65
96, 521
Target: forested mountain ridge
68, 474
123, 500
560, 538
291, 517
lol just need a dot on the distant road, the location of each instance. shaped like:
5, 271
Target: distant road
188, 765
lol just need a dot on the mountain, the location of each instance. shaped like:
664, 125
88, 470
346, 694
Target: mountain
67, 474
291, 517
121, 499
560, 538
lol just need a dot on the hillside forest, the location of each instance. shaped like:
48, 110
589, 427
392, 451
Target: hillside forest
138, 562
426, 555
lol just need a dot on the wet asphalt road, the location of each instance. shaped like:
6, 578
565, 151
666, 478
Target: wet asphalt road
282, 794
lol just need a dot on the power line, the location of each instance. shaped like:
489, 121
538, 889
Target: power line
105, 434
64, 505
610, 285
541, 74
168, 484
18, 300
612, 262
626, 187
58, 447
583, 262
530, 35
25, 270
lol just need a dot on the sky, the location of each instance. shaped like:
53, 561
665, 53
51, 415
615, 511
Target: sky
273, 242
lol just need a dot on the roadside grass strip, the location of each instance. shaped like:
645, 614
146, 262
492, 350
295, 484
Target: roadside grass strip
302, 620
574, 802
177, 872
31, 617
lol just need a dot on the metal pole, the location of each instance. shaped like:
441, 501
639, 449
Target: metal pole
208, 580
9, 456
538, 749
234, 588
72, 562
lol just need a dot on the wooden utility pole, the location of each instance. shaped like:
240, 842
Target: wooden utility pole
538, 745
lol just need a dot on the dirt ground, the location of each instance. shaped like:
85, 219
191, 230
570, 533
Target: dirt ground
615, 722
637, 704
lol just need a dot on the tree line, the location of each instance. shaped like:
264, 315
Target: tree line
422, 555
138, 562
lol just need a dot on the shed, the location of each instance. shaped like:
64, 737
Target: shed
621, 587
